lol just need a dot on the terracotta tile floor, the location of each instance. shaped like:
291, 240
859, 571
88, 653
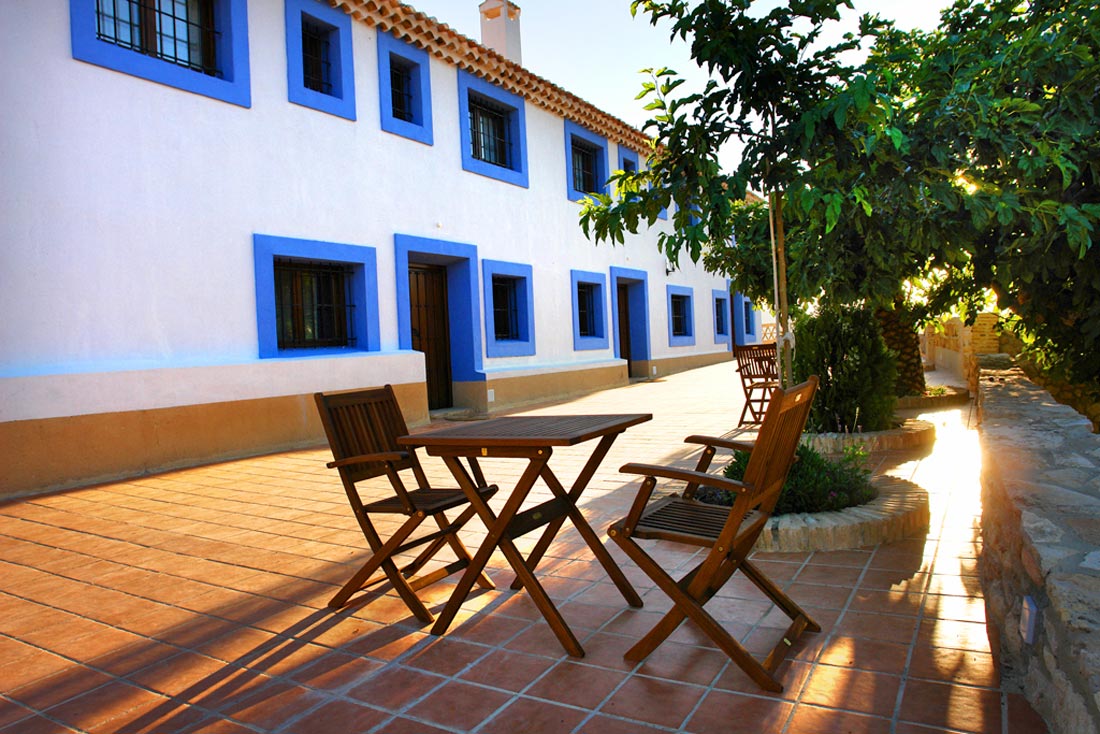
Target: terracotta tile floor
194, 601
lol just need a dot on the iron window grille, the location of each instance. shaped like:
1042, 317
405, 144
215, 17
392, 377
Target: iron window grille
489, 136
316, 56
586, 309
313, 304
401, 90
680, 312
505, 309
181, 32
720, 315
584, 166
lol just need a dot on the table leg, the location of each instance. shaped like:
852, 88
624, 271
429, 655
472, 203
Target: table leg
586, 531
497, 537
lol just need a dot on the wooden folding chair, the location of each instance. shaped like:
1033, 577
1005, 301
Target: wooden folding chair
759, 376
362, 429
728, 533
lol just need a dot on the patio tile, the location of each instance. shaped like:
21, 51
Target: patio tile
576, 684
507, 670
851, 690
865, 654
459, 705
534, 717
394, 688
883, 627
338, 716
950, 705
654, 701
608, 725
815, 720
207, 590
958, 666
722, 712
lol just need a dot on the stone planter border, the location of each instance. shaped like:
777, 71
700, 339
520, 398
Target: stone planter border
899, 511
912, 434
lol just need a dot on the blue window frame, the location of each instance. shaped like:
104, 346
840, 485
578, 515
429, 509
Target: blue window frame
493, 130
721, 316
681, 316
319, 68
205, 52
361, 284
509, 309
589, 310
628, 160
585, 162
404, 89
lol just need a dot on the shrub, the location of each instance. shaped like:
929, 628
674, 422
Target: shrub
843, 346
816, 483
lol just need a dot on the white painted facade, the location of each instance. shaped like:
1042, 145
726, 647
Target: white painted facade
128, 210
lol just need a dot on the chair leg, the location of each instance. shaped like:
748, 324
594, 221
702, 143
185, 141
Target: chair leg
381, 558
687, 606
459, 547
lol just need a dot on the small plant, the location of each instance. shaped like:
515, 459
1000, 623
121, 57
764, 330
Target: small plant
843, 346
935, 391
816, 483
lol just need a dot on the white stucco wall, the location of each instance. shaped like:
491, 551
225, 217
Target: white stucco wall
127, 210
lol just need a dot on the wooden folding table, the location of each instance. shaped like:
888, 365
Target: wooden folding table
531, 438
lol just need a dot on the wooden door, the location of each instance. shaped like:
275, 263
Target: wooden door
624, 327
430, 330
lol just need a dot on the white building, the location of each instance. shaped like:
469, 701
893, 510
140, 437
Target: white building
211, 209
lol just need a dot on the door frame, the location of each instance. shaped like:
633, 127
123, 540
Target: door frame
637, 283
463, 305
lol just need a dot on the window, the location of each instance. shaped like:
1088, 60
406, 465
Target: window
505, 313
405, 90
314, 297
316, 57
628, 160
199, 46
313, 305
181, 32
493, 130
586, 309
319, 65
681, 319
750, 321
586, 155
589, 312
509, 309
489, 132
721, 316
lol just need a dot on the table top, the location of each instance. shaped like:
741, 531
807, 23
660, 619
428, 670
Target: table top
527, 430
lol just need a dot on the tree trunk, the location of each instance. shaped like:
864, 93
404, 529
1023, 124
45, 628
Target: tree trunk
901, 336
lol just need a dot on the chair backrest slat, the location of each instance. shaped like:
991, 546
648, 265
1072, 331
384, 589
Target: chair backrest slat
363, 422
756, 361
775, 446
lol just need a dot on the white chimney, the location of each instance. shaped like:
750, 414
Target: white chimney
500, 28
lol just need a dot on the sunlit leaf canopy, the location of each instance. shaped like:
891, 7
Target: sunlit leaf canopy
966, 158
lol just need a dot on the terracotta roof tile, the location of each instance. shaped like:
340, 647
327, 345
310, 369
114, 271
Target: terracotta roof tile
443, 42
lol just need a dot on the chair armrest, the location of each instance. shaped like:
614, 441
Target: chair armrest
685, 475
722, 443
364, 458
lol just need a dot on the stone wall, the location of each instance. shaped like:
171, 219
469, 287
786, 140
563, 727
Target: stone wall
1041, 546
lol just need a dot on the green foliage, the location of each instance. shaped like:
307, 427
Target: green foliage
968, 157
815, 484
843, 346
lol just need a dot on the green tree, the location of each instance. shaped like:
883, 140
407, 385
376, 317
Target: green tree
967, 157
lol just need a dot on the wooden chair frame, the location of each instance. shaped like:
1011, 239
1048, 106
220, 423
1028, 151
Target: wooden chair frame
728, 533
756, 365
362, 429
